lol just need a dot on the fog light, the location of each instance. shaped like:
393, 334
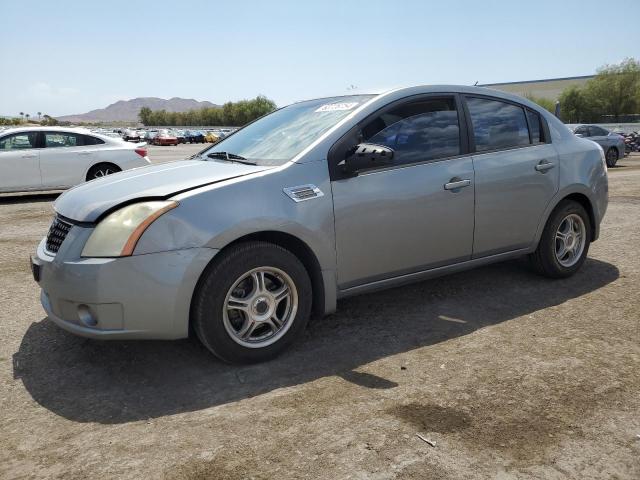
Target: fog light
86, 317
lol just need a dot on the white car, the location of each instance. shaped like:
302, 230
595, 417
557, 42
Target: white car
54, 158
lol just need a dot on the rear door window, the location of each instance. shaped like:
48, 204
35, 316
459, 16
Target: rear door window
597, 132
62, 139
497, 125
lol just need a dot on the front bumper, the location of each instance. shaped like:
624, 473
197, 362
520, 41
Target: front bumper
138, 297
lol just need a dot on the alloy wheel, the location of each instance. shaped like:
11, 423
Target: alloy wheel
103, 172
260, 307
570, 240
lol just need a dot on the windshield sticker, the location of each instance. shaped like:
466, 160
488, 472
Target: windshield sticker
337, 107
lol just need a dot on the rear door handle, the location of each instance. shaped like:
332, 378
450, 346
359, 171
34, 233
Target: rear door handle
29, 155
544, 165
84, 153
456, 183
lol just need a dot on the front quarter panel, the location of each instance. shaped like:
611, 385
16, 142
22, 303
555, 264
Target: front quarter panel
216, 215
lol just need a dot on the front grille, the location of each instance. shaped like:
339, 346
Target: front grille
57, 233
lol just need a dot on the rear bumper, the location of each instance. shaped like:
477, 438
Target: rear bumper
138, 297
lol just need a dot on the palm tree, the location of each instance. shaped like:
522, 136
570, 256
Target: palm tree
22, 115
39, 115
27, 115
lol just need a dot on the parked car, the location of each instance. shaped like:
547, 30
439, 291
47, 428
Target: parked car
211, 137
194, 136
165, 137
180, 136
149, 136
52, 158
317, 201
129, 135
611, 143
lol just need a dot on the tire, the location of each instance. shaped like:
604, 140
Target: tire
231, 280
612, 157
548, 260
102, 170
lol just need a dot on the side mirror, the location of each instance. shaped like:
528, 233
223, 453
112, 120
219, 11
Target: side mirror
368, 155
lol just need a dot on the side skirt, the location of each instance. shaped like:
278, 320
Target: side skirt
431, 273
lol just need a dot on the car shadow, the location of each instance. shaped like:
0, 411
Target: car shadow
117, 382
12, 198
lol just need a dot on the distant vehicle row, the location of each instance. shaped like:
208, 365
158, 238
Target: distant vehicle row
173, 137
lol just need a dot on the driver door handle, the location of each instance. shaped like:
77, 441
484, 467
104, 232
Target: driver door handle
84, 152
456, 183
544, 165
29, 155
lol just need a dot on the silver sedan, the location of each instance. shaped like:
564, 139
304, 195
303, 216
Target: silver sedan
317, 201
611, 143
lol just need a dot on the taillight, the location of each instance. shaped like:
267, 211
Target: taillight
141, 151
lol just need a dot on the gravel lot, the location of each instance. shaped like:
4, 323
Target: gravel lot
511, 375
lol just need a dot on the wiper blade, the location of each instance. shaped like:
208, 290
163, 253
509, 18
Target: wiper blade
232, 157
197, 154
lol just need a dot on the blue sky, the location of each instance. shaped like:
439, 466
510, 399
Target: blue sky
63, 57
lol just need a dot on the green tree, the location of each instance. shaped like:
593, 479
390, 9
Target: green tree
575, 107
144, 115
545, 103
47, 120
615, 90
230, 114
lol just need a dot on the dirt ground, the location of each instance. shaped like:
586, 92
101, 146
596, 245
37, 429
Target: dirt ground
509, 374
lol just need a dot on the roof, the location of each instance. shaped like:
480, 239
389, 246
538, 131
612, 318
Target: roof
50, 129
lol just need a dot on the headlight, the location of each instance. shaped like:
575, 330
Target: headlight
118, 234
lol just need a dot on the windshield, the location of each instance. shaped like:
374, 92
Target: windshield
281, 135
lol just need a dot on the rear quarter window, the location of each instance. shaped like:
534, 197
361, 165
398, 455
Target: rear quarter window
90, 140
535, 127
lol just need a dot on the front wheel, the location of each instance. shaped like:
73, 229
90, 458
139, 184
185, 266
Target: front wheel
565, 241
252, 302
612, 157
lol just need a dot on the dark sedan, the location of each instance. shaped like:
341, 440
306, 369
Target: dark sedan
194, 136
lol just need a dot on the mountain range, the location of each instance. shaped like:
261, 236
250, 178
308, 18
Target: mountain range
127, 110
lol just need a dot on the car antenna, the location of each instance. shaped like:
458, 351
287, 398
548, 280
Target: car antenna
475, 83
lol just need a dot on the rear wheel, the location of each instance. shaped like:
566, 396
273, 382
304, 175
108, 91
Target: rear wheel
102, 170
612, 157
565, 241
252, 302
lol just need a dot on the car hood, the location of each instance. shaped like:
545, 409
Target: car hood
89, 201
